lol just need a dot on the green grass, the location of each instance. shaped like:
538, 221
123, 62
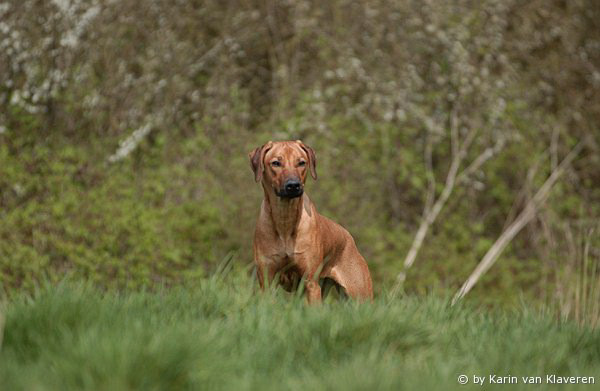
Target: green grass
221, 335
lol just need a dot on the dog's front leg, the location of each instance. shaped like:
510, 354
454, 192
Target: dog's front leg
265, 273
313, 291
311, 269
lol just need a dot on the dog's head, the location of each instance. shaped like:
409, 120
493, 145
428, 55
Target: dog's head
283, 166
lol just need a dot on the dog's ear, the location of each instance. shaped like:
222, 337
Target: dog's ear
312, 158
257, 160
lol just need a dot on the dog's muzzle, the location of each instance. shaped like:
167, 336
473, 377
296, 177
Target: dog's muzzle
292, 188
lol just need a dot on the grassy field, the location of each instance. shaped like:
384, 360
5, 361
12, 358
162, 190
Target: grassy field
219, 335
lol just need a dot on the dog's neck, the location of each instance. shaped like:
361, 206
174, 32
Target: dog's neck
284, 212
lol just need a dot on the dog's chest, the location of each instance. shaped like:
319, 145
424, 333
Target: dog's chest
288, 250
282, 245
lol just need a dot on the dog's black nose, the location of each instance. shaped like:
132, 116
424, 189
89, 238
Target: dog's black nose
292, 186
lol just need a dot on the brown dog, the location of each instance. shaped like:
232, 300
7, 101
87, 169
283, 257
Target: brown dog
291, 238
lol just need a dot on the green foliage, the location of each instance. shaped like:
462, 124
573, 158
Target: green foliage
128, 225
124, 133
218, 334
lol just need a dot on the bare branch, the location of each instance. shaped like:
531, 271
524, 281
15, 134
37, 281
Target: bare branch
428, 157
454, 138
525, 191
430, 215
515, 227
554, 148
130, 143
480, 160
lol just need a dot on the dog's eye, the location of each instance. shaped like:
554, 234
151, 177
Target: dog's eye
302, 163
276, 163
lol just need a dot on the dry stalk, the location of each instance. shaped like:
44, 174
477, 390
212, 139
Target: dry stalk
515, 227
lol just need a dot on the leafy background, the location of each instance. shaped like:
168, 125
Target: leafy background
125, 128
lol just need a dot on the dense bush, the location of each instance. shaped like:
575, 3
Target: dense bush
124, 131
